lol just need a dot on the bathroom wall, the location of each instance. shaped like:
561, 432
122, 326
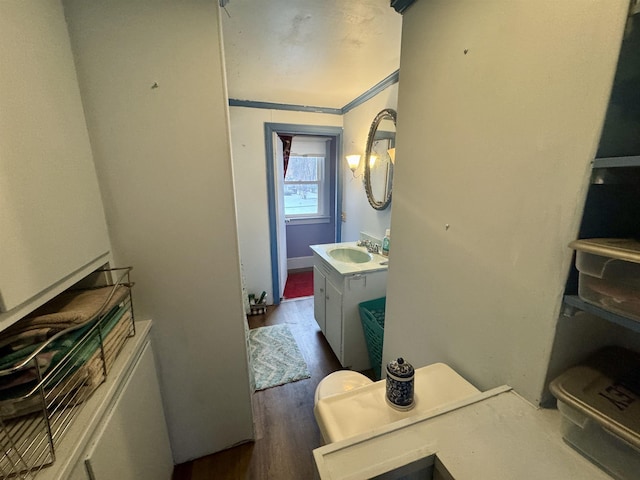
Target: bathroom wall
360, 216
500, 108
153, 88
250, 181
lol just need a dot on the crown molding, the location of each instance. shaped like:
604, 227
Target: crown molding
372, 92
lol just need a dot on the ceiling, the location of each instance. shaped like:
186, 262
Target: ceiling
321, 53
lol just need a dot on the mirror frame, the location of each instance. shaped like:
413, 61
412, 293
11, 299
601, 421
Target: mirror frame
387, 113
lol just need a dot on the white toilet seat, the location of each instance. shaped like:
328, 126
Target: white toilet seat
340, 382
365, 408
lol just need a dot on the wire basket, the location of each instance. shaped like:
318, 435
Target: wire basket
372, 317
41, 393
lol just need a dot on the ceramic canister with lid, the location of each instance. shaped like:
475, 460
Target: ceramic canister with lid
400, 378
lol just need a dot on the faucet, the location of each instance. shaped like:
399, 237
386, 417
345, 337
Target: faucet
369, 245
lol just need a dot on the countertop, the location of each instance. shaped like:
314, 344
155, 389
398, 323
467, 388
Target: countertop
363, 409
377, 262
494, 435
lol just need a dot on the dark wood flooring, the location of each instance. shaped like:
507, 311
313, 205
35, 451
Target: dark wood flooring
286, 430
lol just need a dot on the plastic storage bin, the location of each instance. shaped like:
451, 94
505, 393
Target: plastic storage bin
372, 317
600, 405
609, 274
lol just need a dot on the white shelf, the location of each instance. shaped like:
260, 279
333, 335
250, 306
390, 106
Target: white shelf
575, 302
617, 162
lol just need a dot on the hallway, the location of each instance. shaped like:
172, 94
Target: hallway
285, 428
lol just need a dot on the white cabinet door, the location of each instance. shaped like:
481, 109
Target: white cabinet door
319, 310
334, 320
51, 214
133, 443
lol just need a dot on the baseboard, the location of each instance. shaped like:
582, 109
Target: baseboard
299, 262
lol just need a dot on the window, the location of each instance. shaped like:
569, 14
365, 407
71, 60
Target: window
305, 187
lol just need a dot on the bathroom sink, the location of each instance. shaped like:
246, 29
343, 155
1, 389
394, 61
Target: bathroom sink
349, 255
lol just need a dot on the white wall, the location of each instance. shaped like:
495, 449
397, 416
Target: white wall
360, 216
164, 164
250, 177
499, 114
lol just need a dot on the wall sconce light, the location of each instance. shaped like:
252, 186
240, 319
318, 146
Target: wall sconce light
392, 154
353, 161
372, 160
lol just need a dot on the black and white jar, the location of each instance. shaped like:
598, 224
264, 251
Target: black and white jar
400, 377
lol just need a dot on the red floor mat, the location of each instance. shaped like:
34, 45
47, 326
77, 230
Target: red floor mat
299, 284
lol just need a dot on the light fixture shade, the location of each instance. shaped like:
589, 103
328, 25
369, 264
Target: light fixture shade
392, 154
353, 161
372, 160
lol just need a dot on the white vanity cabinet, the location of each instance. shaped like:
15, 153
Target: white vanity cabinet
336, 300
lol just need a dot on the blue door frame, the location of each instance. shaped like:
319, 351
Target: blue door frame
293, 129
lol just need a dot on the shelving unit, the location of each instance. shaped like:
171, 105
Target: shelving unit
629, 166
600, 310
616, 162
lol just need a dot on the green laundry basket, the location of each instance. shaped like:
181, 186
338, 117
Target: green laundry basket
372, 317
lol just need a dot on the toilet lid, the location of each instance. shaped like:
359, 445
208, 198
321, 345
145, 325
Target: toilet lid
340, 382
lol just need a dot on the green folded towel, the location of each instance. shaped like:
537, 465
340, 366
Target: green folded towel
73, 343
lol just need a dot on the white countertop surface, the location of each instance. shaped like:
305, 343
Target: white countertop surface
364, 409
377, 262
496, 435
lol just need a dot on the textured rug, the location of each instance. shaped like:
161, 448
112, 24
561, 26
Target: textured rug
299, 284
275, 357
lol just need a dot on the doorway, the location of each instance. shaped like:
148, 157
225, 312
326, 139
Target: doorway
314, 202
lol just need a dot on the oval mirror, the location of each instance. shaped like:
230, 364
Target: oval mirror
379, 159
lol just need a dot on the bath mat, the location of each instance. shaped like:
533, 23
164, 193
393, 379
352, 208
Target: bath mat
275, 357
299, 284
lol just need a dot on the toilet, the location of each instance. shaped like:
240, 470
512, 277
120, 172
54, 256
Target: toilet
347, 403
336, 383
339, 382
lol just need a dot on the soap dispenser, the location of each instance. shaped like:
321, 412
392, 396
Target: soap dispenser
386, 242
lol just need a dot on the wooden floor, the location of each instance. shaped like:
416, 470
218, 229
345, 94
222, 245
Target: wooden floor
286, 430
